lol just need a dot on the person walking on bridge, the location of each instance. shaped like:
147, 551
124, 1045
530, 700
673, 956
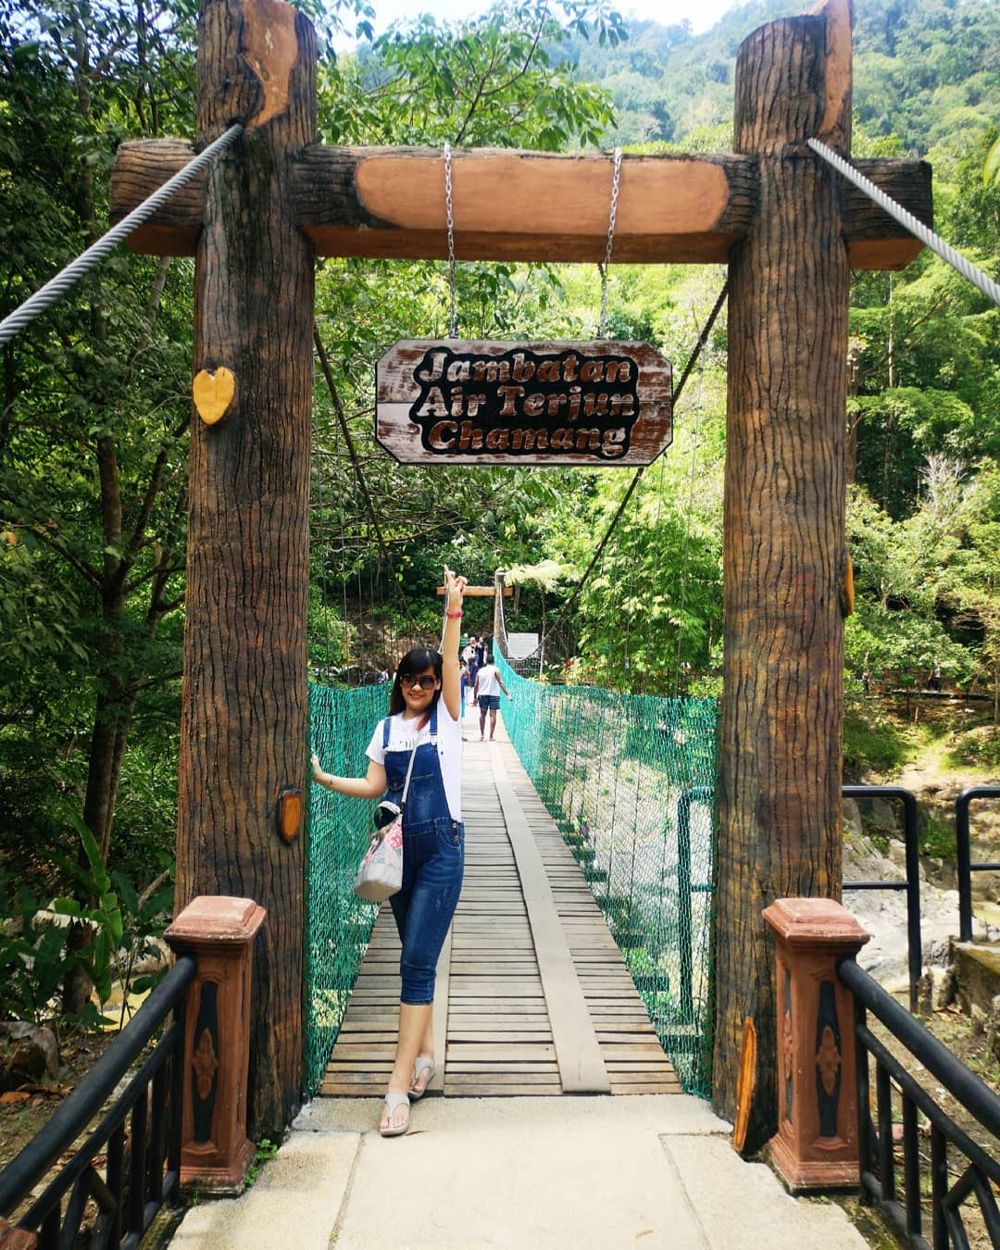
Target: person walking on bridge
423, 735
489, 683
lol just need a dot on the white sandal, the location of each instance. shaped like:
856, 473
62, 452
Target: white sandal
394, 1102
420, 1064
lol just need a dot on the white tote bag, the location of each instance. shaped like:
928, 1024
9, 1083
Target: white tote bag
380, 873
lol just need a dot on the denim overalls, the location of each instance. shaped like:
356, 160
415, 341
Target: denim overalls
433, 862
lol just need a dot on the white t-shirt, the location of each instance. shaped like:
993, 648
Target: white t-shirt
488, 680
403, 737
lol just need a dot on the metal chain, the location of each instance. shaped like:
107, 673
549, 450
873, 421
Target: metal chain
602, 327
449, 208
67, 278
927, 236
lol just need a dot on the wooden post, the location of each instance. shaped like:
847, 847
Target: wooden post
219, 933
782, 707
244, 710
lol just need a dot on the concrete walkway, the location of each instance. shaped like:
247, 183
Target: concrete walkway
597, 1173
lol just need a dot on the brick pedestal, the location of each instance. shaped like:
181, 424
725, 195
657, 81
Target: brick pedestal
219, 932
816, 1143
16, 1238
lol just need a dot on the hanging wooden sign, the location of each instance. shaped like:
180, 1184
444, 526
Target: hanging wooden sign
446, 401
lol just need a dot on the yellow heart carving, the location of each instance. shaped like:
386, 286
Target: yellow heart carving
213, 392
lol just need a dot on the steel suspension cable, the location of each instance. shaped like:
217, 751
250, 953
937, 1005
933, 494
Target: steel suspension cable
363, 485
678, 390
960, 263
687, 536
66, 279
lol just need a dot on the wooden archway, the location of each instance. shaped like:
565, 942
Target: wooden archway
790, 234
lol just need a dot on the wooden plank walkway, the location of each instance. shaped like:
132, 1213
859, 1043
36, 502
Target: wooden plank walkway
532, 994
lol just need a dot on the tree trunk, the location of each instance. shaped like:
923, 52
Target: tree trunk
780, 776
244, 703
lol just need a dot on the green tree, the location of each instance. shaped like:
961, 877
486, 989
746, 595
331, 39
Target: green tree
92, 438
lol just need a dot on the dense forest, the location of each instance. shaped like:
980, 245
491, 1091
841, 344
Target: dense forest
96, 395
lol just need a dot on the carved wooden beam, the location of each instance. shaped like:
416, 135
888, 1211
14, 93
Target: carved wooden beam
389, 202
522, 205
480, 592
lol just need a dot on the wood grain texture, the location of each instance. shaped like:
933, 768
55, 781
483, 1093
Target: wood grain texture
581, 1064
328, 208
835, 128
521, 205
780, 745
504, 413
244, 704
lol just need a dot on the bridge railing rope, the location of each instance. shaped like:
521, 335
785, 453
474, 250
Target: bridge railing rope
338, 923
630, 781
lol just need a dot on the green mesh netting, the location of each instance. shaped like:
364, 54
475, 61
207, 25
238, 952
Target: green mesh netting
630, 781
338, 924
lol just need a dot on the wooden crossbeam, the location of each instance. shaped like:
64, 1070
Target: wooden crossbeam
481, 592
509, 205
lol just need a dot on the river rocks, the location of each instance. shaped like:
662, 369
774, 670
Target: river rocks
936, 989
28, 1053
993, 1028
853, 825
883, 914
156, 954
896, 853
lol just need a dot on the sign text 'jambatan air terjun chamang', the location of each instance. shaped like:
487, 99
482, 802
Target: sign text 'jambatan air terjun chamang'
456, 402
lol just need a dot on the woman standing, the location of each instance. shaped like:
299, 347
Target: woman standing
423, 723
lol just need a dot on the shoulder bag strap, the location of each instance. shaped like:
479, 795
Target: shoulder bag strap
406, 783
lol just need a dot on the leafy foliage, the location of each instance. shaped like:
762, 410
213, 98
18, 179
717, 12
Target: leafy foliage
36, 948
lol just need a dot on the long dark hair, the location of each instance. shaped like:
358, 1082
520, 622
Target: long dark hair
414, 662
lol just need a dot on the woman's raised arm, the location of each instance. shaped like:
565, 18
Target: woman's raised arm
454, 588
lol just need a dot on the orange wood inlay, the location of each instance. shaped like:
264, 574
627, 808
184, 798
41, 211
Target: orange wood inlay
271, 49
745, 1083
682, 197
838, 63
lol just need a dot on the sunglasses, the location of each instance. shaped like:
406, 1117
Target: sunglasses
425, 682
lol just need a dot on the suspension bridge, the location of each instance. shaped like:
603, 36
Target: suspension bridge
534, 997
578, 961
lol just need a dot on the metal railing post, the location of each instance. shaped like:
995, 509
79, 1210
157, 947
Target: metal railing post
692, 794
915, 962
963, 855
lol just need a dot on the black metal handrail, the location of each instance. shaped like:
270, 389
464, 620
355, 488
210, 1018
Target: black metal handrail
143, 1164
963, 855
685, 888
979, 1169
911, 884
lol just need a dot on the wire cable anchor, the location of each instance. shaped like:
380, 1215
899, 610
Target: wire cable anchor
67, 278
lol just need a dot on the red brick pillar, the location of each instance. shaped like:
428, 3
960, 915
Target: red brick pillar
816, 1144
219, 932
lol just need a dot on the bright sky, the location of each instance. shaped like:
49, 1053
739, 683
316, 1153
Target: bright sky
700, 13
